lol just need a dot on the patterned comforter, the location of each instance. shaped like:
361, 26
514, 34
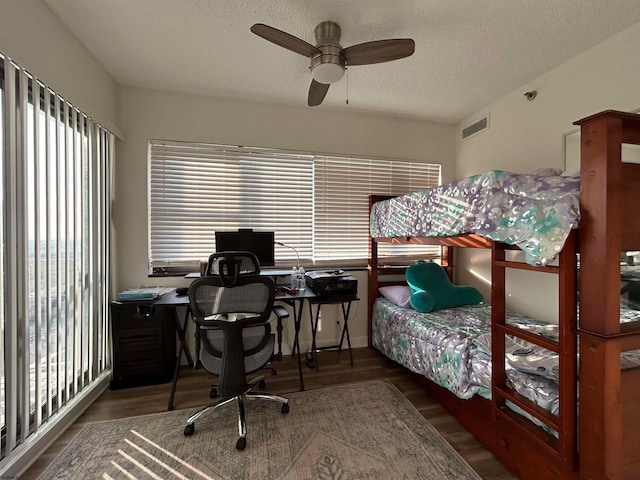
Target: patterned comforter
452, 348
534, 212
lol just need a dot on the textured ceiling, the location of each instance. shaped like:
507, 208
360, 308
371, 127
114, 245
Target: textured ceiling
468, 52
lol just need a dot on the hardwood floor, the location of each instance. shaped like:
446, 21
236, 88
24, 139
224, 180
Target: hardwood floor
333, 369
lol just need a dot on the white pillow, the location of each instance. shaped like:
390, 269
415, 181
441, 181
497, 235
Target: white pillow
397, 294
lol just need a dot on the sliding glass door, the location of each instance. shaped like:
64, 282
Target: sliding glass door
55, 165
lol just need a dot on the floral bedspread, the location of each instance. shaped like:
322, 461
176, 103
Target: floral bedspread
534, 212
450, 348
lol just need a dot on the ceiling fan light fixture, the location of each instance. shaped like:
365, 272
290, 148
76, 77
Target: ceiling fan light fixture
329, 59
327, 73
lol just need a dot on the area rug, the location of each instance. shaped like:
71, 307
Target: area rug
366, 430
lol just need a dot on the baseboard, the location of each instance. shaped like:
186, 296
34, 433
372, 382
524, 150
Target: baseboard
24, 455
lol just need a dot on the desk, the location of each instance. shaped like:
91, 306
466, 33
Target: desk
346, 309
172, 301
300, 296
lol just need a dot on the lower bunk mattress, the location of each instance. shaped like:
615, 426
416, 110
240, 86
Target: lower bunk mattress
452, 348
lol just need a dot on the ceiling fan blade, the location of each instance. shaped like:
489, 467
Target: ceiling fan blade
378, 51
317, 92
285, 40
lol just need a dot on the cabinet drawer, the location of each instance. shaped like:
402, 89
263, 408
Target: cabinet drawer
126, 316
138, 339
137, 363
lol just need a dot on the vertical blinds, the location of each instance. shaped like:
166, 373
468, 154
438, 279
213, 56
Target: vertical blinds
55, 167
317, 204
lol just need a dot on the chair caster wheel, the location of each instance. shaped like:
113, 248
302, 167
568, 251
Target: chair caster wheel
274, 371
262, 385
213, 393
285, 408
189, 429
241, 443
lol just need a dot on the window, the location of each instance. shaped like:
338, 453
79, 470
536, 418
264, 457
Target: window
342, 186
196, 189
317, 204
55, 168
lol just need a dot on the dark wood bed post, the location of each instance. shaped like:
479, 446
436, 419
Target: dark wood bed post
447, 261
610, 223
372, 271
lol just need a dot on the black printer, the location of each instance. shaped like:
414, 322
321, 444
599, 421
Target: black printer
332, 285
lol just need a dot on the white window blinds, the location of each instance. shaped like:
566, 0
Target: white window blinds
197, 188
341, 191
317, 204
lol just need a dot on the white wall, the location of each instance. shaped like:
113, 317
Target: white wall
35, 38
148, 114
527, 135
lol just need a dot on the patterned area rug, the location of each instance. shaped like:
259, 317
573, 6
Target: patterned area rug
366, 430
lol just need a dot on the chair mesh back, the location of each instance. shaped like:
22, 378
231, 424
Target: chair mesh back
250, 297
212, 344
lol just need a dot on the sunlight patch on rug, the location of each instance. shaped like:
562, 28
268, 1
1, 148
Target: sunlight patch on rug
358, 431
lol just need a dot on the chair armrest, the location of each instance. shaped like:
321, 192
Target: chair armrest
280, 312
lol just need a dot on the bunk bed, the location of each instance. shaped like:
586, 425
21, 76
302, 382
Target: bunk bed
594, 438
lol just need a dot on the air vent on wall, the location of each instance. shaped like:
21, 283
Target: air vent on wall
475, 128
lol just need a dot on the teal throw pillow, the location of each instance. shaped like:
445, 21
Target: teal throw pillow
432, 290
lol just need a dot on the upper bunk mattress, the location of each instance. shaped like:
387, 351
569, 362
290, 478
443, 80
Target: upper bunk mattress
534, 212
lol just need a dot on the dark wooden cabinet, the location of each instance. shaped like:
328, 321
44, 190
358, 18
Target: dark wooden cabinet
144, 344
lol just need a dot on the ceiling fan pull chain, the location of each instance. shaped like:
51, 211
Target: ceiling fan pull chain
347, 85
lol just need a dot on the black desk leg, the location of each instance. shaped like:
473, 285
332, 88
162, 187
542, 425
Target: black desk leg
181, 330
296, 323
296, 345
297, 317
278, 356
346, 309
345, 330
314, 331
197, 364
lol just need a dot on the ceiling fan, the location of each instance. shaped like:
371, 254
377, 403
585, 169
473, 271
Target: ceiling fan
329, 59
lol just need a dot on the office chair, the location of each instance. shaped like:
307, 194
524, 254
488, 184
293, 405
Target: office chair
235, 300
248, 266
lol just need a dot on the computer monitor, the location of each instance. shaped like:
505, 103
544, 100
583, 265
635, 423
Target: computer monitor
259, 243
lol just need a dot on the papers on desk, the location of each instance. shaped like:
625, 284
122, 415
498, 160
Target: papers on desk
143, 293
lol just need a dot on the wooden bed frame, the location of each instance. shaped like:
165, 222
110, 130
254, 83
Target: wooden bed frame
602, 441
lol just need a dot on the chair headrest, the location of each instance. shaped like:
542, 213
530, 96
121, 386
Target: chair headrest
230, 266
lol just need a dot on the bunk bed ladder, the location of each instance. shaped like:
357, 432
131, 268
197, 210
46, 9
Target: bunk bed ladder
563, 448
